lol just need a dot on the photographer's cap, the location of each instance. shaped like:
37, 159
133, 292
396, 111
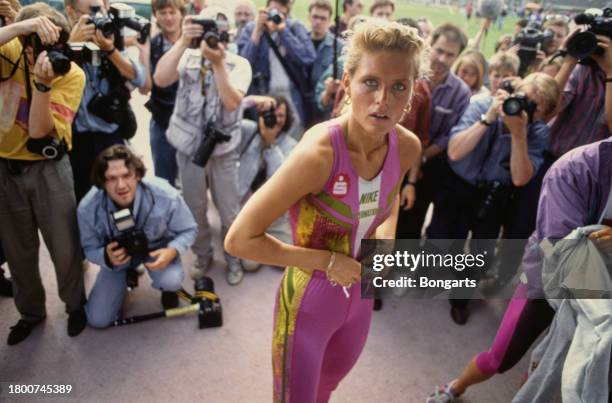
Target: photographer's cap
212, 11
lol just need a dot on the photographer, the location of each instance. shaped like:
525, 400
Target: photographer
105, 116
168, 14
492, 151
205, 126
280, 51
160, 230
265, 146
36, 190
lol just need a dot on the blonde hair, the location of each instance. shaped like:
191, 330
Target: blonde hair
505, 61
378, 35
543, 85
472, 58
43, 10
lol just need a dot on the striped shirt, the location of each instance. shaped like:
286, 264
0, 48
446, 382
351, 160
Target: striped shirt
581, 119
448, 102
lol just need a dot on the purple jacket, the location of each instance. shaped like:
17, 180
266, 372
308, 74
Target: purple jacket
574, 194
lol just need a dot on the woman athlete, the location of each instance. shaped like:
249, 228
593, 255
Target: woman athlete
340, 186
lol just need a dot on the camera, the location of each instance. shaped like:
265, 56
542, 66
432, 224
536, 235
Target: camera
530, 40
58, 53
212, 136
211, 314
507, 86
49, 147
584, 44
132, 239
211, 34
85, 52
269, 117
275, 16
494, 197
120, 19
515, 104
2, 21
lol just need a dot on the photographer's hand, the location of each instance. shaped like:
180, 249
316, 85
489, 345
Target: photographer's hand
189, 32
215, 55
83, 30
605, 60
521, 167
163, 257
46, 30
116, 255
105, 44
268, 135
7, 12
602, 239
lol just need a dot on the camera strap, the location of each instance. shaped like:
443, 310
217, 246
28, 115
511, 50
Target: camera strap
13, 70
27, 80
290, 72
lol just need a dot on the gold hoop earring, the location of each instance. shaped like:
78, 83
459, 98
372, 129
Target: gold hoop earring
348, 100
408, 108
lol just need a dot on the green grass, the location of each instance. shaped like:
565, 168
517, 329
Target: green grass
437, 15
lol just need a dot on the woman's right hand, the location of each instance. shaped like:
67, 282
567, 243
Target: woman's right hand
345, 271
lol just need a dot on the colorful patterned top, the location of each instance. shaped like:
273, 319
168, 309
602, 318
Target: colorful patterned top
349, 208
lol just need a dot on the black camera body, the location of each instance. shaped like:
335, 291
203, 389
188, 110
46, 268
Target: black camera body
58, 53
210, 314
275, 16
120, 16
530, 40
515, 104
584, 44
49, 147
269, 117
212, 35
132, 239
212, 136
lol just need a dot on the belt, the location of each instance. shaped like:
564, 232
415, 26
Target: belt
15, 167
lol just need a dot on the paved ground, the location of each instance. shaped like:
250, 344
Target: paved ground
413, 345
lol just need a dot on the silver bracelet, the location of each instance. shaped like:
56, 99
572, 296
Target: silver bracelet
332, 260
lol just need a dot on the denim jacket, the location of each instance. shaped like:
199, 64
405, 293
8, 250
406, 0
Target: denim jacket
158, 209
299, 53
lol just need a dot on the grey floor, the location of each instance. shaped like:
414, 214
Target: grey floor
413, 345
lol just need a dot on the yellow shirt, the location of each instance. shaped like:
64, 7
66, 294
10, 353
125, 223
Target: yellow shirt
66, 92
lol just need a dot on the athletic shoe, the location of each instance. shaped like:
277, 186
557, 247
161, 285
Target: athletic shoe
235, 273
76, 322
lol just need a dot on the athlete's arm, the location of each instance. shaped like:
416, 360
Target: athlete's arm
305, 171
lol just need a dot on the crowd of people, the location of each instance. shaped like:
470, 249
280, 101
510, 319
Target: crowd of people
382, 116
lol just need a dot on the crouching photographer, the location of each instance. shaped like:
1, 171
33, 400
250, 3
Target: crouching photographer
205, 125
105, 116
128, 220
40, 90
497, 146
266, 144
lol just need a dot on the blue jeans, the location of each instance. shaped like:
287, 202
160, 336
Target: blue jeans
164, 155
107, 295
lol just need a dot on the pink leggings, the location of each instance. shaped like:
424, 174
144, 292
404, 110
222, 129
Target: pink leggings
524, 320
329, 334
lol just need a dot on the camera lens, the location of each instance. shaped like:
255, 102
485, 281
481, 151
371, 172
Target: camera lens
512, 107
59, 62
582, 45
212, 39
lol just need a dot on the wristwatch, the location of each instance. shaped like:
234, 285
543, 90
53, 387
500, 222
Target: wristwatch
484, 121
41, 87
